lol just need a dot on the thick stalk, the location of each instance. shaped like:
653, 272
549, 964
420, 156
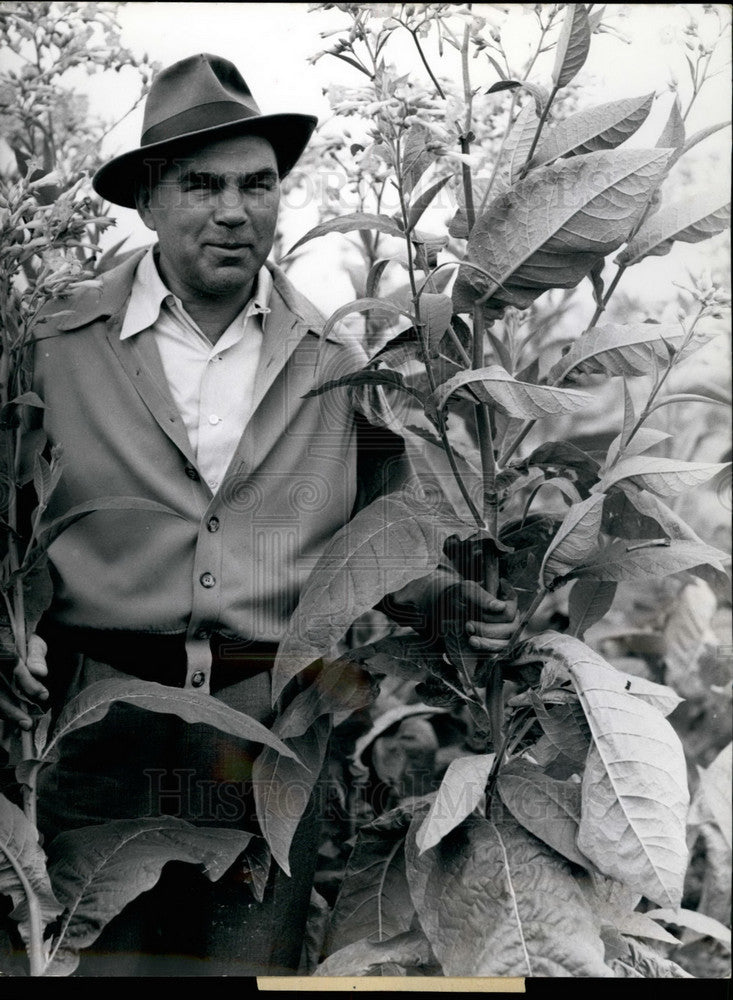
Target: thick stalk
483, 413
483, 426
35, 921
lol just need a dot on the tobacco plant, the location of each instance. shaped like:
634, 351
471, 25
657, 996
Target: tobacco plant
557, 847
65, 892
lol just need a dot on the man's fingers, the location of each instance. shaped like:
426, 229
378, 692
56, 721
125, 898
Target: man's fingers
473, 603
489, 630
11, 711
487, 645
36, 658
27, 684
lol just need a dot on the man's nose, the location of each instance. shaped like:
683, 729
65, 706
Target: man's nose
230, 208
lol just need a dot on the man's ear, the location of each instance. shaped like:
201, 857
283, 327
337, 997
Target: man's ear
142, 204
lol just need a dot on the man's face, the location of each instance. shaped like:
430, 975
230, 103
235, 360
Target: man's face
215, 212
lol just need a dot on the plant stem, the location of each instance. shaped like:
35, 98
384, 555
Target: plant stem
650, 407
601, 307
538, 132
482, 410
426, 354
35, 921
483, 427
524, 619
425, 63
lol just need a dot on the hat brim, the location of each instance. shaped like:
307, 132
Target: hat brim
287, 133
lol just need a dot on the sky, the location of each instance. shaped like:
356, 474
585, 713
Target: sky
272, 42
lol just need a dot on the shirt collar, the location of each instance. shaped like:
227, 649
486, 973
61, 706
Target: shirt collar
149, 295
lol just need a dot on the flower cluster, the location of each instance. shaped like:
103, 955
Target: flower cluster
38, 115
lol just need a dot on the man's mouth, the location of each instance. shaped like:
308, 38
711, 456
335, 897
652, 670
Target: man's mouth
228, 247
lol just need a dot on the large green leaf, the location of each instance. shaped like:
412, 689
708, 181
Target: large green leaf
615, 904
416, 155
93, 703
339, 688
701, 923
409, 950
615, 349
563, 724
436, 310
572, 45
518, 145
394, 540
549, 229
548, 808
644, 439
672, 135
374, 900
360, 306
648, 506
667, 477
604, 126
97, 870
576, 539
651, 559
588, 602
689, 221
461, 790
54, 528
495, 901
635, 795
367, 377
645, 963
283, 785
517, 399
23, 868
560, 651
349, 224
423, 201
712, 801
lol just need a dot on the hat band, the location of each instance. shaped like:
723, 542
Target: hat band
203, 116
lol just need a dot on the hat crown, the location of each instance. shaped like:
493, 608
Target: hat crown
196, 101
202, 84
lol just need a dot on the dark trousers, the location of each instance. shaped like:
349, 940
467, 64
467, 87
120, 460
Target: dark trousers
136, 763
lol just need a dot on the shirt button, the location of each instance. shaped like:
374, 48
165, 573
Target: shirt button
191, 473
213, 524
207, 580
213, 483
198, 678
214, 420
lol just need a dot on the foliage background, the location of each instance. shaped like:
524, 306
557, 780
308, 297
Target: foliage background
665, 631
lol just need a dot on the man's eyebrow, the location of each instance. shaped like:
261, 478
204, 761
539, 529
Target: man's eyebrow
210, 177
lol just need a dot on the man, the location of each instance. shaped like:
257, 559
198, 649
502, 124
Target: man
177, 387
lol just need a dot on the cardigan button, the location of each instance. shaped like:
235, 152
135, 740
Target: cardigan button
191, 473
213, 524
207, 580
198, 678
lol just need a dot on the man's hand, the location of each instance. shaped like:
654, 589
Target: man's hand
27, 684
484, 621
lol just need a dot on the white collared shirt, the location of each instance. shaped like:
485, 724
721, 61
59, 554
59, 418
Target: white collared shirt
212, 385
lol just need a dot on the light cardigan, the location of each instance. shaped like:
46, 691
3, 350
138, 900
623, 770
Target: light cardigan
192, 561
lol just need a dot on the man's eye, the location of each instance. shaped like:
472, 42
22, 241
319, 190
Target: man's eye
261, 184
202, 184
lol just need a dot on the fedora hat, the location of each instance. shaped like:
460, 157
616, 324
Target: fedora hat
192, 102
